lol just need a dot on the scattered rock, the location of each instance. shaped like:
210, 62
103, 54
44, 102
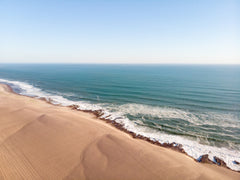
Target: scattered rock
43, 99
74, 106
204, 159
98, 113
219, 161
236, 162
50, 100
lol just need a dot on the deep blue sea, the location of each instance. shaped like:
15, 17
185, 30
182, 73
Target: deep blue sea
197, 106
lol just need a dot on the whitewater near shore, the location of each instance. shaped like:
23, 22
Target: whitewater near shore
42, 141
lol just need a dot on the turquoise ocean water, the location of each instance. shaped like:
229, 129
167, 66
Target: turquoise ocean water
197, 106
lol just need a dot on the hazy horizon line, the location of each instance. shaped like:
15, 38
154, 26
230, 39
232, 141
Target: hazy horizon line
119, 63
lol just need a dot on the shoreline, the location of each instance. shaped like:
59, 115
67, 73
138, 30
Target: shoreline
41, 141
173, 146
192, 147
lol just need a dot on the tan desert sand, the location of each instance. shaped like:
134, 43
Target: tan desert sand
43, 141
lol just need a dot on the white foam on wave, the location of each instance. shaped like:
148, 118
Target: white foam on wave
30, 90
117, 113
25, 88
208, 118
191, 147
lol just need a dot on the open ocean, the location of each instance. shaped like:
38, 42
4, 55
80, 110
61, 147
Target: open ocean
197, 106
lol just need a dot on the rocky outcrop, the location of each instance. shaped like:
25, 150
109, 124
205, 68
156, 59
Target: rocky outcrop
236, 162
204, 159
219, 161
74, 106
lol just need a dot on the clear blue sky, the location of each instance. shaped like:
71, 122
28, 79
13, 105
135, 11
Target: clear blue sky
121, 31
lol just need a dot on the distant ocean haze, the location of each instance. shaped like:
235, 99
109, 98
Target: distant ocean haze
197, 106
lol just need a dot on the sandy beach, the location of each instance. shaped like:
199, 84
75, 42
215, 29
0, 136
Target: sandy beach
39, 140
